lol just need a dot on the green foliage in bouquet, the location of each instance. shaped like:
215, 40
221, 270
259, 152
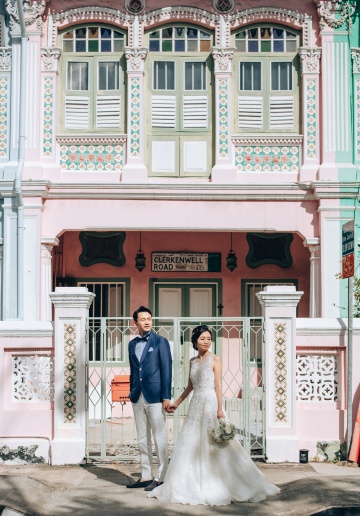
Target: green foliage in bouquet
223, 431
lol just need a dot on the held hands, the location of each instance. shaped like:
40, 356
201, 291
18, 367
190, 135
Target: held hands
220, 414
171, 408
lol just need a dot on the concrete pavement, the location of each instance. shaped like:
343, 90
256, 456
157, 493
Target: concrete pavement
100, 490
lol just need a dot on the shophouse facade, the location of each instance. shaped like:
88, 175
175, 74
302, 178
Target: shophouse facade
200, 161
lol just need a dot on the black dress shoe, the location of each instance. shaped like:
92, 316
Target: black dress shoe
138, 484
152, 485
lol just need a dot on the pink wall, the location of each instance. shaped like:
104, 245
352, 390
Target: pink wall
196, 242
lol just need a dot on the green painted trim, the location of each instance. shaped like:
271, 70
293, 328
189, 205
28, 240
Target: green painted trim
244, 283
126, 281
186, 284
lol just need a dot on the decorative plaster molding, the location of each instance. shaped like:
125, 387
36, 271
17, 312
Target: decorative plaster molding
33, 11
222, 58
310, 60
355, 56
91, 140
5, 59
50, 241
92, 13
309, 242
167, 14
50, 59
135, 7
267, 140
135, 58
334, 14
280, 15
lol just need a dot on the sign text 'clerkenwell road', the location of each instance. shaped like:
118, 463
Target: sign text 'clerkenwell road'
186, 262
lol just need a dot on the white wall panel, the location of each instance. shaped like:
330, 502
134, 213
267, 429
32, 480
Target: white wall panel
195, 156
163, 156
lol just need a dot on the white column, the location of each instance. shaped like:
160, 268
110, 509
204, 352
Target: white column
135, 170
224, 169
1, 273
71, 310
310, 71
315, 285
355, 55
279, 310
47, 245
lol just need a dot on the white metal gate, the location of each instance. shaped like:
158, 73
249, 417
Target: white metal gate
111, 433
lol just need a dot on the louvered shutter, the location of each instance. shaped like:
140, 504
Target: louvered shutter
107, 111
77, 112
195, 111
163, 110
281, 112
250, 112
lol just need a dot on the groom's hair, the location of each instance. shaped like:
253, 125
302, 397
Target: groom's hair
141, 309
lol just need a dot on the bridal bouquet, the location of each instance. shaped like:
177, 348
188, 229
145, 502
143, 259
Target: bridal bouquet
223, 431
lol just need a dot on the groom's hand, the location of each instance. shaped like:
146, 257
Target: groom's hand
166, 405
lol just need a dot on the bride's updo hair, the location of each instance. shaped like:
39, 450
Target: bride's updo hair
197, 332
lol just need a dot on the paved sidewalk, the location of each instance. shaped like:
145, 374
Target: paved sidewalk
100, 490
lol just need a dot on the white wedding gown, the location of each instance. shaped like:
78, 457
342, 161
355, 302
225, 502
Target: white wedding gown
202, 471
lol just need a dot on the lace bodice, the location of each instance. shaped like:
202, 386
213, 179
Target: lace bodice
202, 374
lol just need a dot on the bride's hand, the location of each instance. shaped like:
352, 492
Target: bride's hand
220, 414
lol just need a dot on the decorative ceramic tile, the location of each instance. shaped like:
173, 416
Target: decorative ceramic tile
311, 119
135, 118
223, 119
70, 373
92, 158
267, 158
357, 96
32, 378
317, 378
48, 89
4, 85
280, 375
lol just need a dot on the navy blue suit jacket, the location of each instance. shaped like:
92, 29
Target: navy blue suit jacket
152, 375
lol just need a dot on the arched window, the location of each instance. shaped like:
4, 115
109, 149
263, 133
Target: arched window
92, 79
267, 79
180, 78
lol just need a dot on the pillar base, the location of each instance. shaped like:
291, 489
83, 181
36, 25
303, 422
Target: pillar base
282, 449
223, 174
308, 173
67, 451
134, 173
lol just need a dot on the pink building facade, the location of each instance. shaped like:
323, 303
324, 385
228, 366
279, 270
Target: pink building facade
186, 137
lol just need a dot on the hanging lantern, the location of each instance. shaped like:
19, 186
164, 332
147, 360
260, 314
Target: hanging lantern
231, 259
140, 259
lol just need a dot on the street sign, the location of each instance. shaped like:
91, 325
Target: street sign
348, 249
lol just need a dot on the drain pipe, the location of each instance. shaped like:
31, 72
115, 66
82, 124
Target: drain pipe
21, 160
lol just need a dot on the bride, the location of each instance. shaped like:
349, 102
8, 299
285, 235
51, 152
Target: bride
202, 471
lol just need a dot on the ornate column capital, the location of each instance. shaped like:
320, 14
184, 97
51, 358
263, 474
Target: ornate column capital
355, 56
33, 11
310, 59
5, 59
335, 13
135, 58
50, 59
222, 59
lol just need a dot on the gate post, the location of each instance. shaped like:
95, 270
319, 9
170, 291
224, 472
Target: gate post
71, 310
279, 305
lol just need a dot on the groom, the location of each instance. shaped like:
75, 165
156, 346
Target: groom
150, 394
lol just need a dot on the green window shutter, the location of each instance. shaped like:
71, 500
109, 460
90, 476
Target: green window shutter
195, 111
77, 112
163, 111
282, 112
250, 112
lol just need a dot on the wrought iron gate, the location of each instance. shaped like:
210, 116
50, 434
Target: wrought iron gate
239, 342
